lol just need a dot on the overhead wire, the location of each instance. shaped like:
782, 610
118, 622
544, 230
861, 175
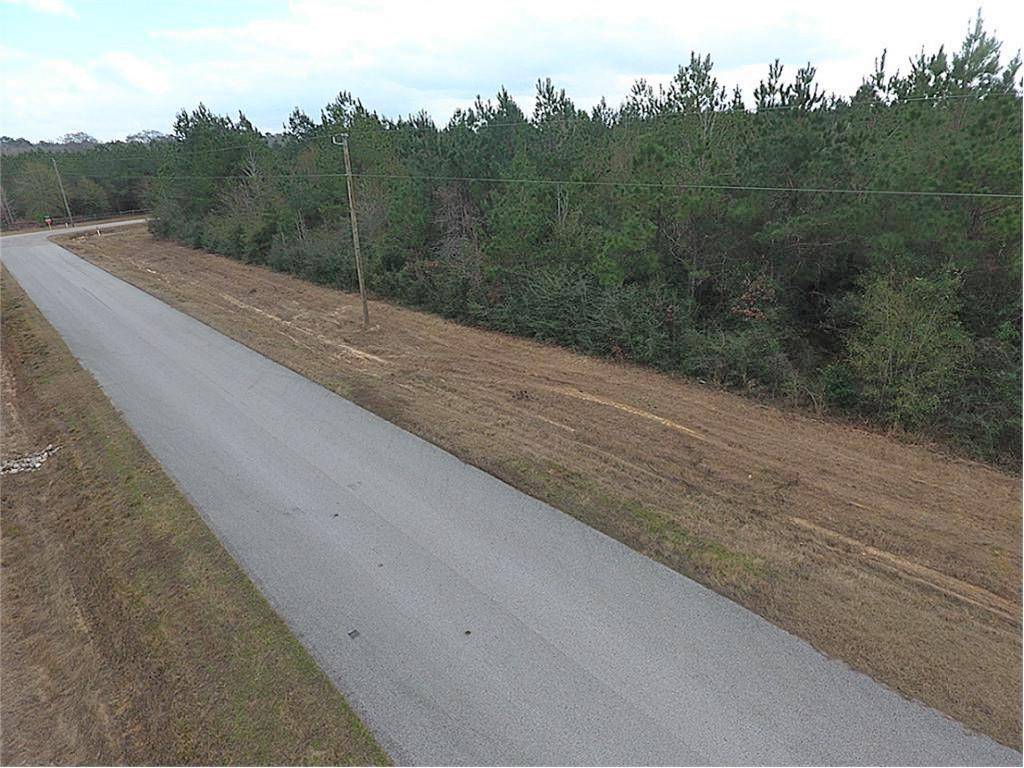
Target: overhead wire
579, 182
638, 184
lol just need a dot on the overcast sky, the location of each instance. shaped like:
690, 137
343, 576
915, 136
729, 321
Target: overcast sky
113, 68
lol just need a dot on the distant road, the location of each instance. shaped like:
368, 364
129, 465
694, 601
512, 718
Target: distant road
465, 621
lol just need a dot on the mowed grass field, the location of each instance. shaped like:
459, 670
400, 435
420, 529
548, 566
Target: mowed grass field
901, 560
129, 633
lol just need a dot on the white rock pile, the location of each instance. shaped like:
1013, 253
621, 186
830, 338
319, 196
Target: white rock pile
29, 463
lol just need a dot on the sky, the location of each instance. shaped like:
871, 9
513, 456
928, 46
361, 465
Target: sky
112, 69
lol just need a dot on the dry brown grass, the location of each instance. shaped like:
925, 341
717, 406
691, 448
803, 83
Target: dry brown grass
129, 634
903, 562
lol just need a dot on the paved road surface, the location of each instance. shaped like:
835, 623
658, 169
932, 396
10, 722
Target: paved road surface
465, 621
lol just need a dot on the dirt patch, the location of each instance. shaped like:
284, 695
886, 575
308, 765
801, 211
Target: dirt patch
129, 634
902, 561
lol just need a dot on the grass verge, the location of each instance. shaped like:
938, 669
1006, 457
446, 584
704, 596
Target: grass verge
129, 633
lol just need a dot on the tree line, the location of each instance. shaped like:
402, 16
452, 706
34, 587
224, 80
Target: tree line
852, 254
99, 178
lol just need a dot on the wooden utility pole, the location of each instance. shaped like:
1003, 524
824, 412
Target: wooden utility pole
71, 219
5, 202
355, 225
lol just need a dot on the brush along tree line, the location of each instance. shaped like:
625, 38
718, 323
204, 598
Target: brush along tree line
633, 232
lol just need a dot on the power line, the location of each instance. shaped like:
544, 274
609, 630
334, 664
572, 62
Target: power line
686, 185
586, 183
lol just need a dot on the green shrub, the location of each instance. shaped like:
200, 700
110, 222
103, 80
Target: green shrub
839, 384
909, 351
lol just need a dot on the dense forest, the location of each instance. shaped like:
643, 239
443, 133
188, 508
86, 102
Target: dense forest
90, 172
860, 255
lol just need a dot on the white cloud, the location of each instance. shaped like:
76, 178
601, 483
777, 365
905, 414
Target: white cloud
52, 7
148, 76
401, 57
109, 97
449, 44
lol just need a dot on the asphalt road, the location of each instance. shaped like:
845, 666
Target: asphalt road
465, 621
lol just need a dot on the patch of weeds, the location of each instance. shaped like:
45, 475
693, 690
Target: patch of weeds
704, 559
655, 533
